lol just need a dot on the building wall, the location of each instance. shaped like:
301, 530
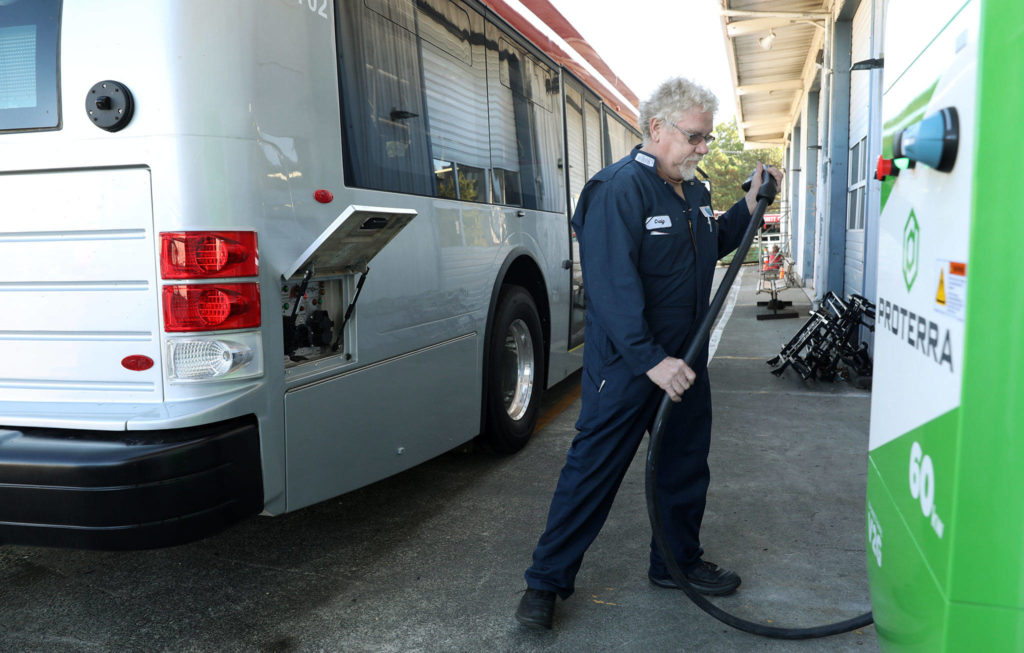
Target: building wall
803, 245
791, 228
821, 213
837, 144
838, 203
874, 198
858, 156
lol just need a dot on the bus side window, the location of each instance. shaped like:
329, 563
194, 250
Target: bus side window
620, 138
525, 108
575, 143
382, 98
455, 87
595, 148
506, 187
438, 101
444, 175
473, 185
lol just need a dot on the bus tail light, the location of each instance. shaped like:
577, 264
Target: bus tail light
208, 358
208, 254
211, 307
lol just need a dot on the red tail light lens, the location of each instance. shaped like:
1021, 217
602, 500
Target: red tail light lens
211, 307
208, 254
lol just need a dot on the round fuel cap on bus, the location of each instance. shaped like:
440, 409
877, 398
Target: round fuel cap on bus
110, 105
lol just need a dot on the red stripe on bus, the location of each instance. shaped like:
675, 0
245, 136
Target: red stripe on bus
535, 36
556, 21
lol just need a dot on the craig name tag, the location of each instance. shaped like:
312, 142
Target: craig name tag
658, 222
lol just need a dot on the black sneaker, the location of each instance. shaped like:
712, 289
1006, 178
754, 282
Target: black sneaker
536, 609
707, 578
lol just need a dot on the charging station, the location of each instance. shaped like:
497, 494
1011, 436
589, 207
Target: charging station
945, 496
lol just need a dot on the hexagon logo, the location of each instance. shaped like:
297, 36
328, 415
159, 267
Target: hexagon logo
911, 250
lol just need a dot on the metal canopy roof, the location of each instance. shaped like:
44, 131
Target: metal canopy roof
773, 48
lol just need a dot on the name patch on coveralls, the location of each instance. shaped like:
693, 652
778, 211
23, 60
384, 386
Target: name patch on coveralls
658, 222
645, 159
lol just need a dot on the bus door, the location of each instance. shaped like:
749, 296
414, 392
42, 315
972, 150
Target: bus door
584, 146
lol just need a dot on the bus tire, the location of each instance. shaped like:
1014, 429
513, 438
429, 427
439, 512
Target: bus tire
515, 372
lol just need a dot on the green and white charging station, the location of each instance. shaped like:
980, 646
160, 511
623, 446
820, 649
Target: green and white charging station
945, 495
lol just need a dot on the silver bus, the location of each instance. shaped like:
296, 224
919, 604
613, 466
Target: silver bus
258, 253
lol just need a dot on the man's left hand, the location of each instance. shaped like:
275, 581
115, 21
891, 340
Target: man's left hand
755, 183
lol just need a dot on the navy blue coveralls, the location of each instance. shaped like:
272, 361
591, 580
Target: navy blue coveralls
648, 260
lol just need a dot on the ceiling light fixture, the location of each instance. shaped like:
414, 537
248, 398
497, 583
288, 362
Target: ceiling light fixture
766, 41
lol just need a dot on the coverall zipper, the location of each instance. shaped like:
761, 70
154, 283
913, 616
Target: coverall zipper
696, 252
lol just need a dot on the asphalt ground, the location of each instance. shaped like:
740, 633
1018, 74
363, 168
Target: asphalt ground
432, 559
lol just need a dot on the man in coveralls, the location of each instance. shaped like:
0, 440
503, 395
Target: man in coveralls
648, 245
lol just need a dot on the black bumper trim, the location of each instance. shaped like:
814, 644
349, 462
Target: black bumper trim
128, 490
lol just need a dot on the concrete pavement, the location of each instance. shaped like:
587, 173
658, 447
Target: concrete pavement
432, 559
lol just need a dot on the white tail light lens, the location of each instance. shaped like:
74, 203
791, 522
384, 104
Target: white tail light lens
213, 358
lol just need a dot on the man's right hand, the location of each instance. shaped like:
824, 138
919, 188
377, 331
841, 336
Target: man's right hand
673, 376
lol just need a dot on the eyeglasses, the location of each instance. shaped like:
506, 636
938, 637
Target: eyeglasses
694, 139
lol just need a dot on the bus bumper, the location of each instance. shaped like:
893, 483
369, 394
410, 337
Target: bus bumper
118, 490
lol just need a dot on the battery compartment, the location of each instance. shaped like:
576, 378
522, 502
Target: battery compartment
313, 321
319, 290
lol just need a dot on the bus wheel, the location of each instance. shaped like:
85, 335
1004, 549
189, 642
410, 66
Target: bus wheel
515, 375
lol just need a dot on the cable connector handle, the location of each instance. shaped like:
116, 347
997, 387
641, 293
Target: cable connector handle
768, 190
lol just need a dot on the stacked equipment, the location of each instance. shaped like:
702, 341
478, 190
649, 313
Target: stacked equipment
831, 336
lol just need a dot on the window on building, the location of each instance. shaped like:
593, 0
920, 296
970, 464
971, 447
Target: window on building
856, 196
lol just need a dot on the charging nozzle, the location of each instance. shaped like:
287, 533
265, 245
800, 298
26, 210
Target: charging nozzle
768, 190
933, 141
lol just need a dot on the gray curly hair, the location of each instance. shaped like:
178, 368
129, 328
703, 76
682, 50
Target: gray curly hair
671, 100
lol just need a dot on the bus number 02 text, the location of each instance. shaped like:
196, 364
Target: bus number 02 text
312, 6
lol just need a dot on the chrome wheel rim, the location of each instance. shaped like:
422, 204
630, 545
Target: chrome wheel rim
517, 369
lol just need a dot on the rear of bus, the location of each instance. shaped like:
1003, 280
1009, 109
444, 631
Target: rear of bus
139, 157
171, 171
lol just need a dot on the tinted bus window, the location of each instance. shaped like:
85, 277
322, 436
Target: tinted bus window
621, 137
575, 145
583, 134
386, 145
592, 120
455, 86
428, 110
28, 64
526, 124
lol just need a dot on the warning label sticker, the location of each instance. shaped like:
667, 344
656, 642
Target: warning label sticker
951, 289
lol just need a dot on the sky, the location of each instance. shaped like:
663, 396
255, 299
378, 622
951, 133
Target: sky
658, 39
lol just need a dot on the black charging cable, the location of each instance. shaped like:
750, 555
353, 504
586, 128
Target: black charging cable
765, 196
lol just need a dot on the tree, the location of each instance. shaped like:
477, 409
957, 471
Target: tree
728, 165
